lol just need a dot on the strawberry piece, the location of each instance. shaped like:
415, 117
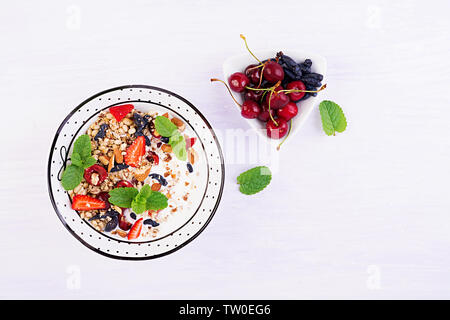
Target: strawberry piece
190, 142
119, 112
135, 152
135, 230
86, 203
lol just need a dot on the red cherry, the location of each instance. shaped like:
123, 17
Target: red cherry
253, 95
296, 85
124, 184
104, 196
289, 111
99, 170
265, 114
277, 131
273, 72
153, 158
238, 81
277, 99
123, 223
254, 74
250, 109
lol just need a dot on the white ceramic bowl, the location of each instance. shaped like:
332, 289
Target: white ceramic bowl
208, 176
240, 62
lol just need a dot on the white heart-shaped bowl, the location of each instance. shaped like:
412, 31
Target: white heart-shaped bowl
240, 62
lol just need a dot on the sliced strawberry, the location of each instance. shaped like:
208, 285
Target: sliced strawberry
135, 230
119, 112
135, 152
190, 142
86, 203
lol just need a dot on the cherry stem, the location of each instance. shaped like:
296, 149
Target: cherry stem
312, 91
270, 113
258, 89
261, 77
290, 126
256, 67
231, 94
246, 45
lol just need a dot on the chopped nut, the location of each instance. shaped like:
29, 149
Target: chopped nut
141, 175
111, 163
118, 155
95, 178
192, 156
179, 123
121, 233
156, 186
166, 148
77, 188
95, 190
127, 121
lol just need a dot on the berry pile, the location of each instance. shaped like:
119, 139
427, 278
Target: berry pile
271, 90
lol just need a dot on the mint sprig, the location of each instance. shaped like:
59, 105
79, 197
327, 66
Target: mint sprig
333, 118
166, 128
254, 180
80, 159
138, 201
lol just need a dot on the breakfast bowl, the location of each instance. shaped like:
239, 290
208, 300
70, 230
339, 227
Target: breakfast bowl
239, 63
192, 186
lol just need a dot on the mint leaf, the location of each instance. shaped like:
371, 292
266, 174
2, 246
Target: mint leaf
71, 177
82, 146
139, 204
89, 162
122, 197
76, 159
333, 118
156, 201
164, 126
254, 180
178, 143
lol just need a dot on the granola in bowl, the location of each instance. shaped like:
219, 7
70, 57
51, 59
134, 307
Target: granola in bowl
132, 172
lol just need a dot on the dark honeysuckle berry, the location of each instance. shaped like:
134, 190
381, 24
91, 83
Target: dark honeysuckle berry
311, 88
316, 76
140, 121
306, 66
96, 217
307, 62
165, 139
111, 213
159, 177
101, 132
189, 167
310, 80
306, 96
133, 215
287, 60
119, 167
151, 222
112, 224
289, 74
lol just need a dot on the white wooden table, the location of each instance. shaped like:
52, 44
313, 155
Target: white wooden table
365, 214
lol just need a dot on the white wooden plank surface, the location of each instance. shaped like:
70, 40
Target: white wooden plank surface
364, 214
